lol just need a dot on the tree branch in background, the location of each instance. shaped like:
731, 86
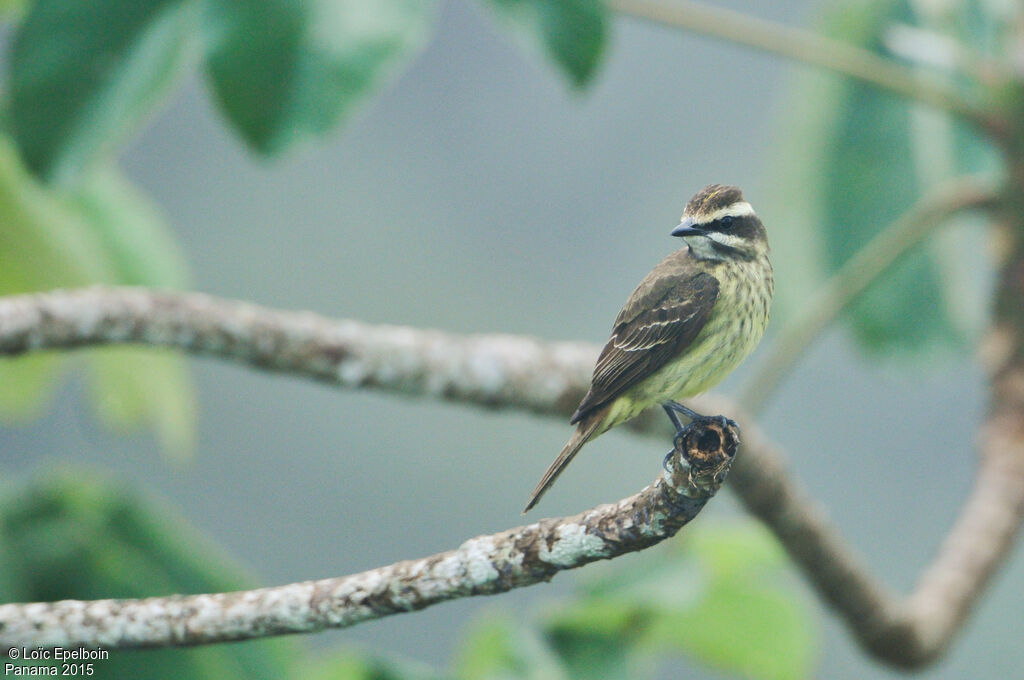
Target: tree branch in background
550, 378
814, 50
485, 565
905, 631
854, 277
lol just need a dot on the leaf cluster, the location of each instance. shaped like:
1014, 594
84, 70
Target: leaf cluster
84, 75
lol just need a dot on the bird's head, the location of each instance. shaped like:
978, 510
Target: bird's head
718, 222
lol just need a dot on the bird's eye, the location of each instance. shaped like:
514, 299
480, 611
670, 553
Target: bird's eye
726, 222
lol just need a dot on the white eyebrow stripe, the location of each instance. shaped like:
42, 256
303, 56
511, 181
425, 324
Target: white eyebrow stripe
741, 209
725, 239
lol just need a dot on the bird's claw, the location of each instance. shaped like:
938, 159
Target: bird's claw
727, 423
679, 440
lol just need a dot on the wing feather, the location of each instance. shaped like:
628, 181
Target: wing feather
661, 318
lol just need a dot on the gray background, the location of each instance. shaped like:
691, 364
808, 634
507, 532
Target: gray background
476, 194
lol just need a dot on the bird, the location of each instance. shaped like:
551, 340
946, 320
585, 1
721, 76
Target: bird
691, 321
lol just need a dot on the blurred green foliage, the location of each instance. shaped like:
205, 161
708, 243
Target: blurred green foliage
571, 33
71, 534
285, 71
721, 595
853, 160
101, 230
83, 76
353, 665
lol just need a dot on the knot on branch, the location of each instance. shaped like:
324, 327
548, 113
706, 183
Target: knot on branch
701, 458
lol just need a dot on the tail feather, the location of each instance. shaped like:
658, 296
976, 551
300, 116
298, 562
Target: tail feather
584, 433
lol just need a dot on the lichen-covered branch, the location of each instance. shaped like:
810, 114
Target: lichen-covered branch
485, 370
485, 565
550, 378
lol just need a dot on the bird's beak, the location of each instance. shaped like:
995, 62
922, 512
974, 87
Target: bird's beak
686, 228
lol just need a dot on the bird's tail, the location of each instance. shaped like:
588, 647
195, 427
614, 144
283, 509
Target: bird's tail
585, 431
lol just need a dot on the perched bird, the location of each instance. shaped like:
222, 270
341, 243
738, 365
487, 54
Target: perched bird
688, 324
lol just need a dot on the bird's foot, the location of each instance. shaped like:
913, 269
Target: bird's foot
679, 441
668, 456
724, 424
673, 407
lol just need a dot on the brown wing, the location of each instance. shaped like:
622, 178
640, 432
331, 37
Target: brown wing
660, 319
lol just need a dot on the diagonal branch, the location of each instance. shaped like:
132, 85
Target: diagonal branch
880, 254
485, 565
550, 378
814, 50
909, 631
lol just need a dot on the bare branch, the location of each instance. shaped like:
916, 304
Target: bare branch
485, 565
815, 50
550, 378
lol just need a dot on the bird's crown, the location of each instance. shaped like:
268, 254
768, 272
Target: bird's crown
715, 201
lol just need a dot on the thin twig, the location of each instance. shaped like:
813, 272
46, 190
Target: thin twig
854, 277
815, 50
481, 566
550, 378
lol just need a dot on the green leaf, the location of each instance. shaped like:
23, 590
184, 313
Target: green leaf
132, 386
130, 230
353, 665
43, 244
287, 70
12, 10
100, 231
27, 384
749, 620
744, 628
856, 159
496, 648
596, 638
74, 535
85, 74
722, 599
571, 33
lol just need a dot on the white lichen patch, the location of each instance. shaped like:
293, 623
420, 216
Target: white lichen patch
89, 319
486, 369
437, 380
478, 554
447, 570
358, 587
572, 543
207, 612
352, 372
401, 365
